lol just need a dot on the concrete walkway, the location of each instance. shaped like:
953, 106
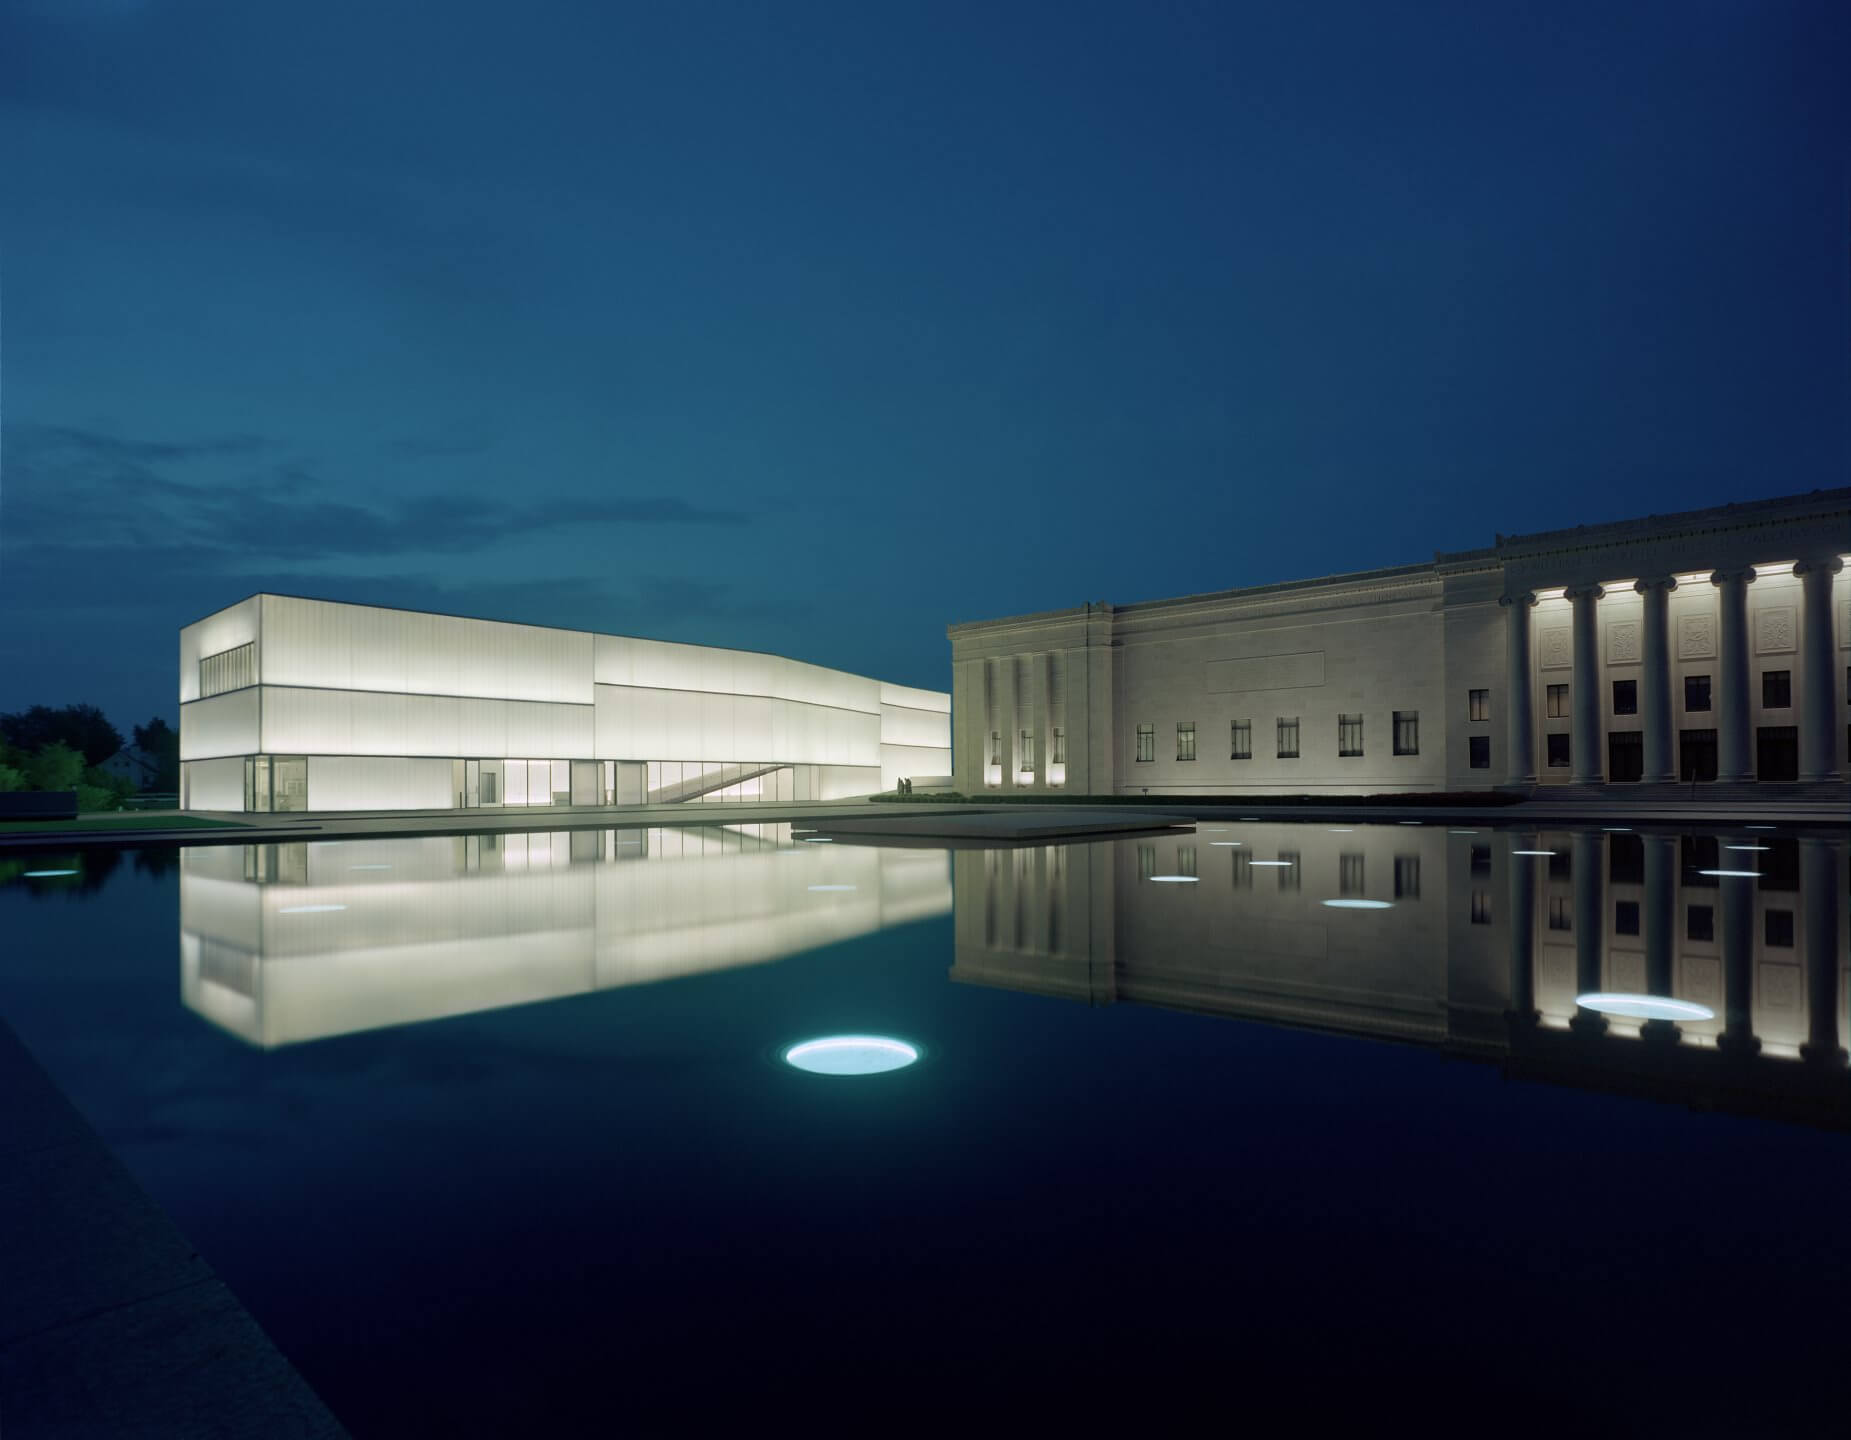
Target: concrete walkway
110, 1324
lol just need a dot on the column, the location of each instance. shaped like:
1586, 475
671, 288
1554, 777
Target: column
1734, 759
1818, 680
1737, 903
1822, 870
1522, 890
1590, 926
1655, 679
1584, 739
1520, 764
1659, 922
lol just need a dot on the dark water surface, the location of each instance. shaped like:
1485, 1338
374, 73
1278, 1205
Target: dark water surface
493, 1135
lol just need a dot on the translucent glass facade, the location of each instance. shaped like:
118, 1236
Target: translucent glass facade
393, 709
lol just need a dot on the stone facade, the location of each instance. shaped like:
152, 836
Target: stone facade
1705, 645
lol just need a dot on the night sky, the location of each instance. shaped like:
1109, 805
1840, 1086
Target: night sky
812, 328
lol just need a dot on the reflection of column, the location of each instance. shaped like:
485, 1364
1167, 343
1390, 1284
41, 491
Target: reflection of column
1655, 703
1738, 965
1821, 873
1660, 925
1520, 765
1522, 930
1818, 686
1590, 928
1584, 738
1732, 756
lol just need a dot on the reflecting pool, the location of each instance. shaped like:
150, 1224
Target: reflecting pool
515, 1134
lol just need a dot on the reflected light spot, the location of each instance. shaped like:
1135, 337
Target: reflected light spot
851, 1055
1617, 829
1461, 832
1174, 879
42, 874
1273, 864
1225, 844
819, 840
1359, 904
1341, 830
832, 887
1532, 852
1760, 827
1748, 847
1745, 874
308, 909
1645, 1007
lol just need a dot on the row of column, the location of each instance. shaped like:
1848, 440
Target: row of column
1821, 864
1734, 760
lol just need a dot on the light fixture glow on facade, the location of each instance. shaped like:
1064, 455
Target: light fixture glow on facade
1644, 1007
851, 1055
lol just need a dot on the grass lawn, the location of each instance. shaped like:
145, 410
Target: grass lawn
114, 821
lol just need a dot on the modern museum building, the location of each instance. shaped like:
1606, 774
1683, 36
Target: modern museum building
1704, 646
297, 704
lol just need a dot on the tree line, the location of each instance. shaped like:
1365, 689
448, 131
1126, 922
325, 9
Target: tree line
63, 748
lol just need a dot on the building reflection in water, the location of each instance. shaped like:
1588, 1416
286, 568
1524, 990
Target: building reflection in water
1481, 951
292, 942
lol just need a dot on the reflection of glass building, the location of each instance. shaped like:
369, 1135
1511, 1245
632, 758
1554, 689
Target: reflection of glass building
1481, 951
291, 942
294, 704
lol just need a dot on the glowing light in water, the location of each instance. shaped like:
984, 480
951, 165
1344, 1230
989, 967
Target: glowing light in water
1745, 874
851, 1055
1360, 904
1645, 1007
1174, 879
42, 874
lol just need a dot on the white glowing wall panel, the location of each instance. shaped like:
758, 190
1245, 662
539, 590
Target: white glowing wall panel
647, 724
353, 722
844, 782
912, 761
909, 698
223, 725
365, 782
223, 631
905, 725
215, 784
662, 665
360, 647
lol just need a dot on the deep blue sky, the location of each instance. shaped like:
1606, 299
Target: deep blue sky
812, 328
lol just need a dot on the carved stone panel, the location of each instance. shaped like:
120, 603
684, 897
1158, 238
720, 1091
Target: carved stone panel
1623, 642
1696, 637
1558, 651
1780, 986
1775, 632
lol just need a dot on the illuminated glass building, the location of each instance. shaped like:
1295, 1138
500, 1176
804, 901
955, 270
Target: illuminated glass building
1705, 646
295, 704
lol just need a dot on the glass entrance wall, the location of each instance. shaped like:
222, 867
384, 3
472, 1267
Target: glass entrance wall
275, 783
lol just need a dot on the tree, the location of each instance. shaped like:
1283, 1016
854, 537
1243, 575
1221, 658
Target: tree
55, 767
158, 740
83, 728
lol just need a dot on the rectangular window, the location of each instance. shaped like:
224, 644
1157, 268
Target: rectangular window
1776, 689
1696, 692
1147, 744
1407, 732
1350, 874
1060, 746
231, 669
1481, 907
1147, 861
1185, 860
1478, 704
1288, 871
1241, 746
1700, 922
1185, 740
1625, 697
1558, 751
1777, 928
1349, 734
1288, 738
1558, 702
1407, 877
1025, 752
1478, 751
1626, 917
1561, 915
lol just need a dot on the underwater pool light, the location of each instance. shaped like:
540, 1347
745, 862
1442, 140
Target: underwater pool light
1645, 1007
1360, 904
43, 874
851, 1055
1173, 879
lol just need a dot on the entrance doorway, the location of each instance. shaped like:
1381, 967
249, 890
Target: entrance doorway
1625, 755
1696, 751
1777, 753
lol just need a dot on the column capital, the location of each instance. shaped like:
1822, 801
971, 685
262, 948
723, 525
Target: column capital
1526, 598
1821, 565
1741, 574
1655, 582
1577, 593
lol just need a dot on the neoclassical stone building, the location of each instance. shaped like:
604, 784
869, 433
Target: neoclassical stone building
1698, 647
